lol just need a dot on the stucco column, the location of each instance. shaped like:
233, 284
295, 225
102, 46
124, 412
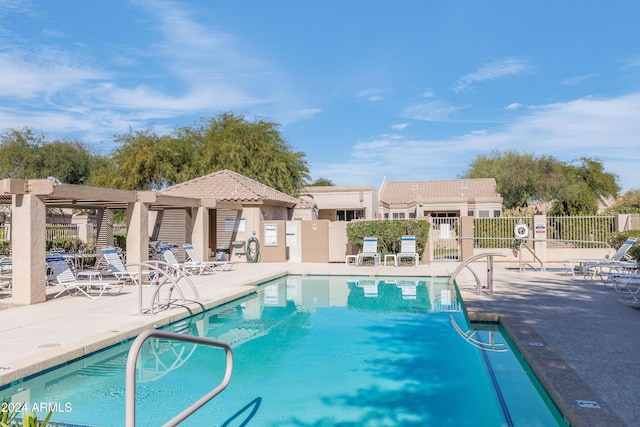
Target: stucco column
466, 237
540, 236
200, 232
28, 216
137, 233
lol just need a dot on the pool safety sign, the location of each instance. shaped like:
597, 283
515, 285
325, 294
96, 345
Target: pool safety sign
270, 235
541, 228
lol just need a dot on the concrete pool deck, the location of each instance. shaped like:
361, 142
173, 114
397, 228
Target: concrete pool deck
580, 337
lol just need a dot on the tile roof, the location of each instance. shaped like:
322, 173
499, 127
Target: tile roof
229, 186
410, 191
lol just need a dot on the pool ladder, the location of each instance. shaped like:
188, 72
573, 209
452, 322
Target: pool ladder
466, 263
132, 360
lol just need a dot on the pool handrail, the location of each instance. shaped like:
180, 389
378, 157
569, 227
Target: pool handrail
132, 358
466, 263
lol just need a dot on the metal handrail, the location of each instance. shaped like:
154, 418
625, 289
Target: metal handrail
132, 360
466, 263
163, 274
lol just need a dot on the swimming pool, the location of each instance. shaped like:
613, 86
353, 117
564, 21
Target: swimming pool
313, 351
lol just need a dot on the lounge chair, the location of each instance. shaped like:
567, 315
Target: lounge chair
209, 265
186, 267
65, 277
623, 283
118, 268
593, 266
369, 251
408, 250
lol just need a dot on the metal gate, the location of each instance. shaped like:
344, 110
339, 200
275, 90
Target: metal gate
444, 236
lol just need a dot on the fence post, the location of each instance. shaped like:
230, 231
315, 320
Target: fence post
620, 222
466, 237
540, 236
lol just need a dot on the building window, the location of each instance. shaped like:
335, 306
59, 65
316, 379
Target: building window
484, 214
470, 213
398, 215
386, 216
412, 215
496, 214
349, 214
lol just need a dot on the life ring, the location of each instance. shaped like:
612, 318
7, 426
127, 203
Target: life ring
521, 231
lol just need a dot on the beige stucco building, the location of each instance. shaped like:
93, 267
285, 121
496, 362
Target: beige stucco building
440, 199
403, 200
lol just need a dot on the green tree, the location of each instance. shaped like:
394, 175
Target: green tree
583, 183
524, 178
19, 152
628, 203
255, 149
322, 182
520, 178
146, 161
26, 154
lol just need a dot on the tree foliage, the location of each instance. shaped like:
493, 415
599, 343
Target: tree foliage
322, 182
524, 178
26, 154
145, 160
628, 203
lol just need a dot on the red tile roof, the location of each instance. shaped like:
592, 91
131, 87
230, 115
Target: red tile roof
229, 186
410, 191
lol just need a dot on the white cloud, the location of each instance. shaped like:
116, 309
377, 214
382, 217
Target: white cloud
576, 80
493, 70
399, 126
514, 106
433, 111
373, 94
599, 128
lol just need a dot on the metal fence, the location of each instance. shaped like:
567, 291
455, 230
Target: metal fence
562, 231
62, 231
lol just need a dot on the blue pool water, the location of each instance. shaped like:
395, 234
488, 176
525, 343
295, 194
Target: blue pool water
313, 351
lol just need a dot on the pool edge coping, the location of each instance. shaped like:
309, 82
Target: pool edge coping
560, 381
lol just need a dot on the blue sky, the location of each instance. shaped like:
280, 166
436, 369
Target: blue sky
409, 89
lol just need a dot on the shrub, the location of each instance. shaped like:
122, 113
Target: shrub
618, 238
389, 233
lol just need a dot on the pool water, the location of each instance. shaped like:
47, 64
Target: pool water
313, 351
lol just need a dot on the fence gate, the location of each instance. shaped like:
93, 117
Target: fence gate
445, 237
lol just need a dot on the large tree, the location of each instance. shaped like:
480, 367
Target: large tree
145, 160
523, 178
255, 149
27, 154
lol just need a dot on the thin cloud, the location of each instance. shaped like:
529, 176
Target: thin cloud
576, 80
372, 95
599, 128
399, 126
514, 106
433, 111
491, 71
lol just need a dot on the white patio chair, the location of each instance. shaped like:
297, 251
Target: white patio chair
118, 269
369, 251
64, 276
408, 250
208, 265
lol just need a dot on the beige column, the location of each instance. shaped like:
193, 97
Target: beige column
466, 237
200, 232
28, 216
539, 236
137, 233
